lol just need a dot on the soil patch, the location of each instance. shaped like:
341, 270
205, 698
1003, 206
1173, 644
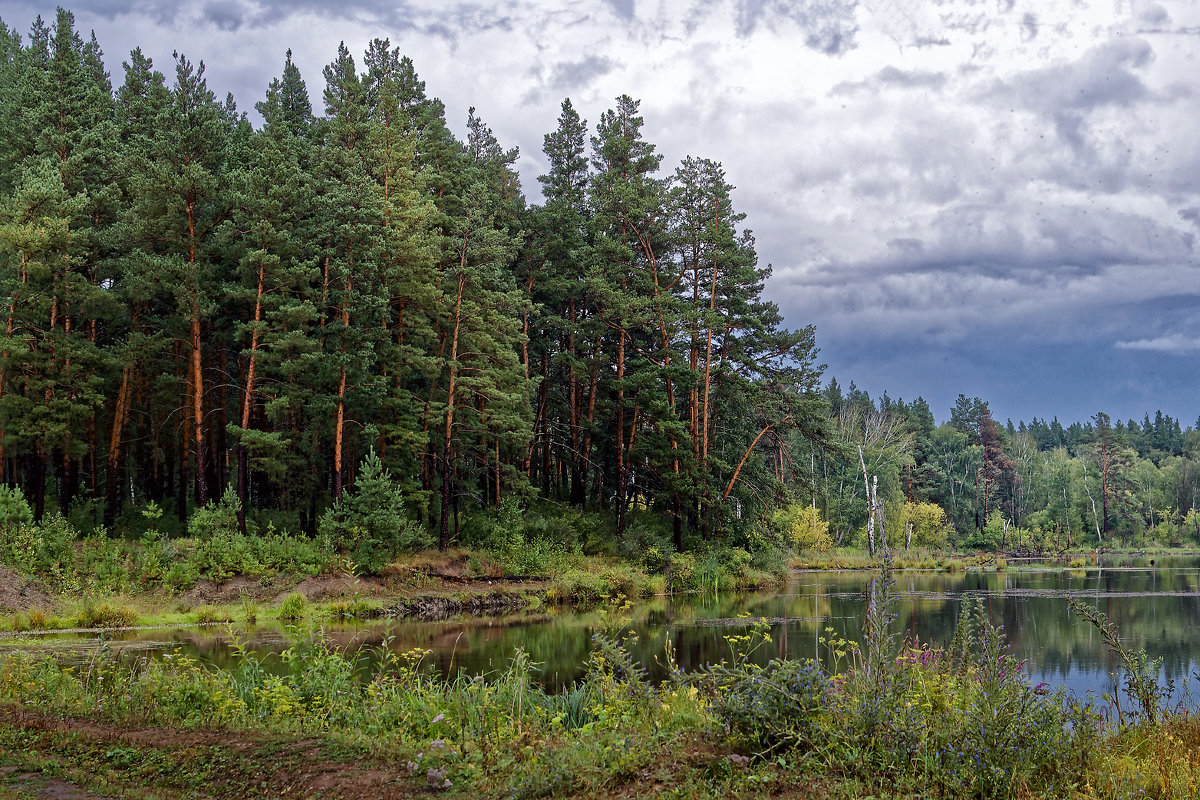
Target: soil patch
329, 587
274, 766
20, 593
209, 592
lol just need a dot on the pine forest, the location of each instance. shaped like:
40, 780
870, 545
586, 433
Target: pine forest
348, 311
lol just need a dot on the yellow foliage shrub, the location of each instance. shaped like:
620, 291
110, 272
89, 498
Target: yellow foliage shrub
803, 527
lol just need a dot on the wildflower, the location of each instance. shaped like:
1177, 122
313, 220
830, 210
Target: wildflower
437, 719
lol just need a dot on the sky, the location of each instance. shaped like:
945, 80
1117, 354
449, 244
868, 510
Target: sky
998, 198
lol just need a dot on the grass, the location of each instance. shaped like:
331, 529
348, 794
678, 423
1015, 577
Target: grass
899, 720
914, 559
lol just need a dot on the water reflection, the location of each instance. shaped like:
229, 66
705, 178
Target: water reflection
1155, 606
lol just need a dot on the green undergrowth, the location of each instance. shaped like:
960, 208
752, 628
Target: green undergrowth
883, 717
914, 559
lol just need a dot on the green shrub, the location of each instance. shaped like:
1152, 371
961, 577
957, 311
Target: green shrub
370, 524
14, 510
622, 580
681, 573
579, 587
181, 576
356, 608
656, 559
227, 553
712, 571
780, 706
802, 527
216, 519
105, 615
206, 615
44, 548
960, 722
293, 608
249, 610
647, 541
734, 568
522, 541
931, 526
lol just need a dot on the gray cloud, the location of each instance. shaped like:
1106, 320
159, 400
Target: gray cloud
828, 26
567, 75
1029, 27
892, 77
228, 15
1156, 15
1066, 93
1050, 248
623, 8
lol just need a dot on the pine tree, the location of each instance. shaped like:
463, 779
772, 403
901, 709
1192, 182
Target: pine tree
271, 226
12, 89
179, 199
350, 207
627, 282
484, 387
554, 268
408, 254
67, 123
51, 375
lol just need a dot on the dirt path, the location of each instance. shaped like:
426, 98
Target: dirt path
45, 756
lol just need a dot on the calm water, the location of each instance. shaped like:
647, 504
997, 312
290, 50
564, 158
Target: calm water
1155, 606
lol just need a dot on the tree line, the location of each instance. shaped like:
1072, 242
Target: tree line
193, 303
1039, 485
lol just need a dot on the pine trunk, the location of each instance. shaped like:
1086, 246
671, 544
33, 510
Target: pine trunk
113, 473
444, 537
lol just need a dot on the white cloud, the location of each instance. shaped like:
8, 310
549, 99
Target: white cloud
1172, 343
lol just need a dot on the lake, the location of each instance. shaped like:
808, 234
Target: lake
1154, 601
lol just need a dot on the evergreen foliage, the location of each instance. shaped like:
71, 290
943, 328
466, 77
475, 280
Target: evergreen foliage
192, 304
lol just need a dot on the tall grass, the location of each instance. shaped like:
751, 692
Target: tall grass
886, 716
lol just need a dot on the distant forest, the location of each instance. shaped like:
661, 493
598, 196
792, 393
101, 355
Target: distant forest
195, 308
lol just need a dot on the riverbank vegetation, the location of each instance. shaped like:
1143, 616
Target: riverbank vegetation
881, 717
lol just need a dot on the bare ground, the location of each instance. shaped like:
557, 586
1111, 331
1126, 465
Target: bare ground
81, 759
20, 593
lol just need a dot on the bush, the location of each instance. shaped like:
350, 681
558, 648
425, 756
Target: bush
578, 587
780, 706
105, 615
226, 554
712, 571
44, 548
206, 615
370, 523
931, 526
959, 722
648, 541
622, 580
293, 608
14, 510
181, 576
523, 542
802, 527
218, 519
681, 573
